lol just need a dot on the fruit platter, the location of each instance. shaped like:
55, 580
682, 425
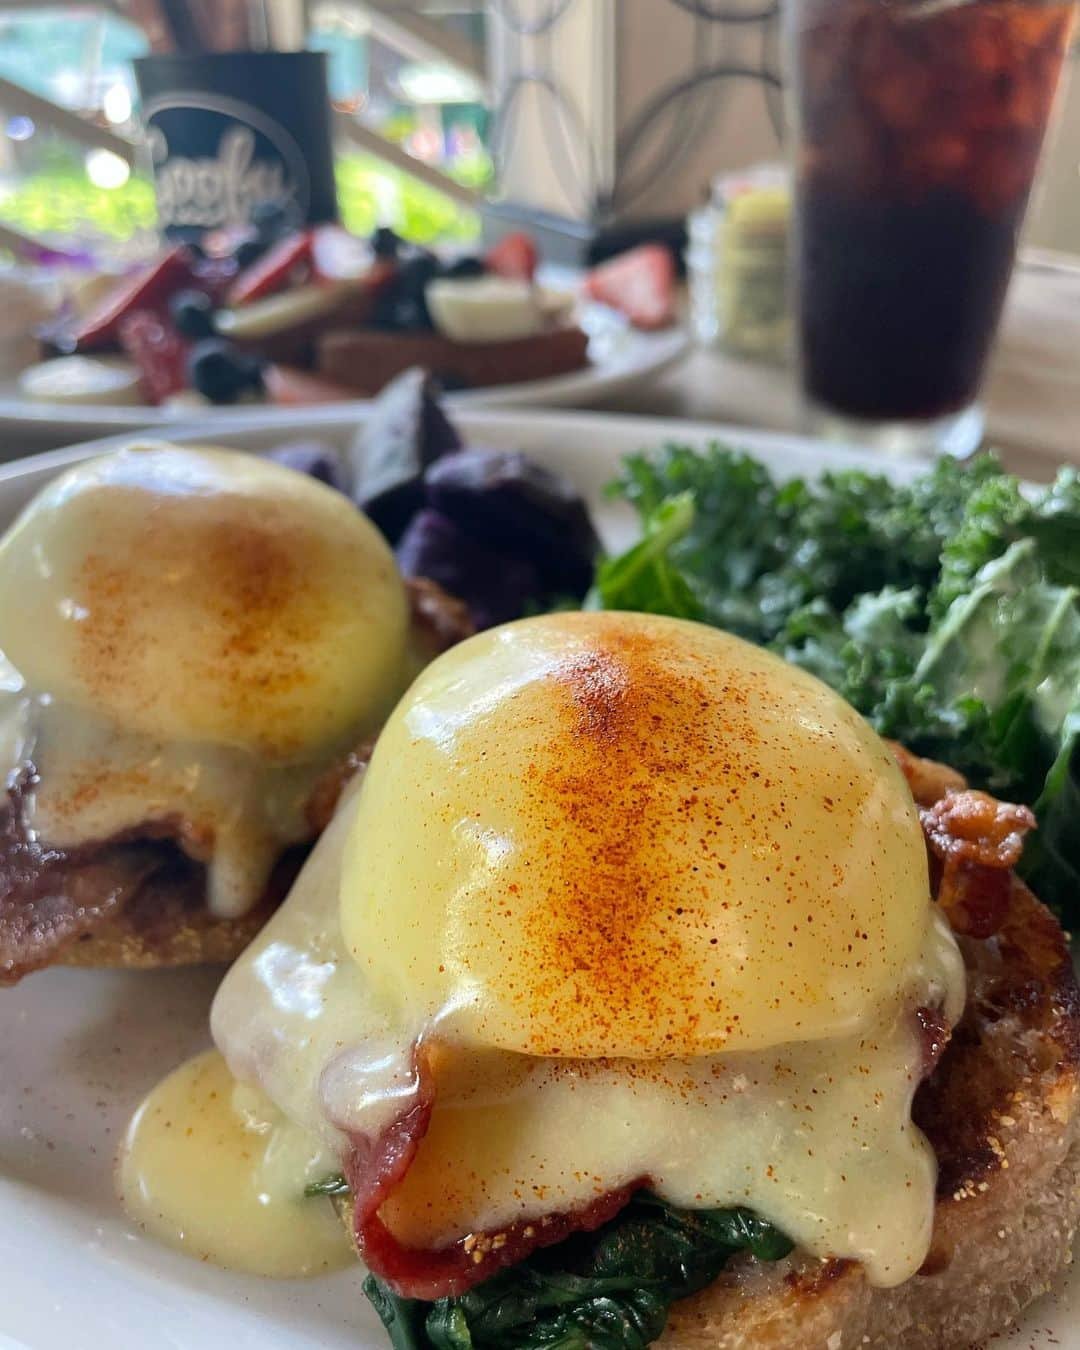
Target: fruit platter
273, 313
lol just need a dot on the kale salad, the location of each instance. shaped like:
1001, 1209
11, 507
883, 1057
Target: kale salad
946, 610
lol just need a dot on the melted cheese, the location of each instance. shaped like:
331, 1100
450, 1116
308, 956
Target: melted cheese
211, 1167
193, 636
625, 835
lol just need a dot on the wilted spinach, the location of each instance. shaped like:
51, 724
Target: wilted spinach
608, 1290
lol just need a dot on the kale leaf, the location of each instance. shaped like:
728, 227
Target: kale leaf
608, 1290
946, 609
332, 1186
645, 576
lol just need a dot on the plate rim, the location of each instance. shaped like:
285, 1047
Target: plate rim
659, 351
653, 431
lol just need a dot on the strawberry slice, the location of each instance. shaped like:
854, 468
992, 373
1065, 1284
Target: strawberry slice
148, 289
287, 263
290, 387
158, 350
640, 284
514, 257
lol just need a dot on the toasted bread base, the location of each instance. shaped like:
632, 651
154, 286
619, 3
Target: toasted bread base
1001, 1112
1017, 1240
199, 940
367, 359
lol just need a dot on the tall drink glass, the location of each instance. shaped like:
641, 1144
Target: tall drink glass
918, 126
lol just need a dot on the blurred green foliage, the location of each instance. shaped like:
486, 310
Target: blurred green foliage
60, 201
371, 193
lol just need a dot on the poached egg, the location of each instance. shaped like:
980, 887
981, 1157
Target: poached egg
192, 635
656, 905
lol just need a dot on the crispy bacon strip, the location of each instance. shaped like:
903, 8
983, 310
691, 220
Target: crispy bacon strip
929, 781
376, 1166
974, 842
975, 898
974, 827
439, 620
326, 794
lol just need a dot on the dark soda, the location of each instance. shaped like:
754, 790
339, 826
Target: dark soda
919, 130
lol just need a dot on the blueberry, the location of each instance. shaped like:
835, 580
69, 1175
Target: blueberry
411, 284
402, 307
406, 314
193, 314
384, 315
221, 372
275, 218
249, 251
464, 268
386, 242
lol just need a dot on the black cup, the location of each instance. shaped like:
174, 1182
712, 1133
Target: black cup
229, 130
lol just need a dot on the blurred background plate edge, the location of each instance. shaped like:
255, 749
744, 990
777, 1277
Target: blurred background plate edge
636, 359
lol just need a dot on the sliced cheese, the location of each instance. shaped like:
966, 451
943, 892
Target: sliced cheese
100, 381
484, 309
279, 313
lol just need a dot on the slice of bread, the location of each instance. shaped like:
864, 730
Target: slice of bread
367, 359
167, 923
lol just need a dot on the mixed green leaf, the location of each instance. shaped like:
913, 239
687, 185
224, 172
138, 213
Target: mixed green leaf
947, 609
608, 1290
333, 1187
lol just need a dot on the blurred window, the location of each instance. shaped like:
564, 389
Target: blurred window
78, 56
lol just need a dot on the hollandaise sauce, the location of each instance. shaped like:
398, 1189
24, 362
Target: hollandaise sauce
211, 1167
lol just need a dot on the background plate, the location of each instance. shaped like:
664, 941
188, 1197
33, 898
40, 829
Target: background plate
621, 358
80, 1048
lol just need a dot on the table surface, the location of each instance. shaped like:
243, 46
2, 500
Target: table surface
1032, 393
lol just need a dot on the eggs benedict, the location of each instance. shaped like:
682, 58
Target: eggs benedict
191, 640
612, 982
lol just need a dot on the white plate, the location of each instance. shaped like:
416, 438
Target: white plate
79, 1048
621, 358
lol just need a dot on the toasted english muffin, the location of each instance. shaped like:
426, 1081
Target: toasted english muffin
140, 902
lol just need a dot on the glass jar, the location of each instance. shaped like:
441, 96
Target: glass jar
737, 264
